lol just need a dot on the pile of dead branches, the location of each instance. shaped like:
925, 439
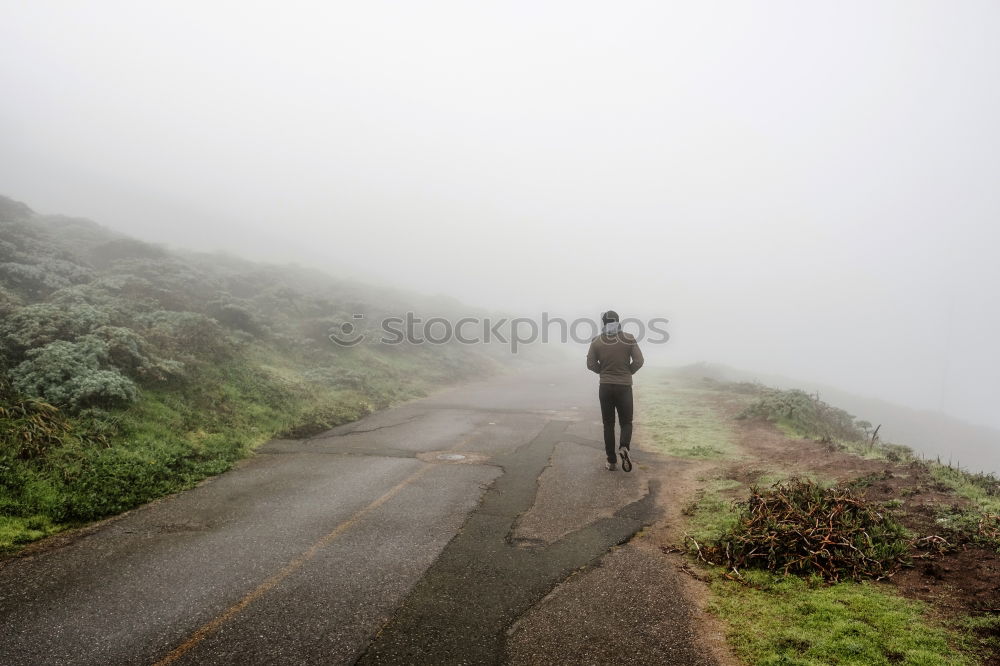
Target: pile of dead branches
803, 528
988, 529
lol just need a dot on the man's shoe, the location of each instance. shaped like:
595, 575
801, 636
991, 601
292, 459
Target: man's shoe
626, 461
610, 466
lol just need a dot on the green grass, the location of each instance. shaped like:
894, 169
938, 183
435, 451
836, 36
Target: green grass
18, 531
979, 523
895, 453
678, 419
796, 621
712, 512
981, 634
965, 485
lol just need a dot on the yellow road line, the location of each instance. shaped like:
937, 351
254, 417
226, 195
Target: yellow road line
209, 627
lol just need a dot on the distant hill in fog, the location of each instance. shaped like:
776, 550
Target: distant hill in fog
975, 447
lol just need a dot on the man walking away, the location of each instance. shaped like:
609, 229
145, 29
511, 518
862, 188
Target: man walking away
615, 356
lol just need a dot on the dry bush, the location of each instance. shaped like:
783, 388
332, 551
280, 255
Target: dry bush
800, 527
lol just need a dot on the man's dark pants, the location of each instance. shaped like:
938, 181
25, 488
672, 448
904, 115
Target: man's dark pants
616, 397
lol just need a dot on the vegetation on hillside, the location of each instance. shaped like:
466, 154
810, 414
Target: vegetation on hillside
803, 414
128, 371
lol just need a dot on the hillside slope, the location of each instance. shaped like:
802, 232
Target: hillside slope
128, 370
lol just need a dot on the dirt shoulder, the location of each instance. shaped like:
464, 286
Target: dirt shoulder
959, 581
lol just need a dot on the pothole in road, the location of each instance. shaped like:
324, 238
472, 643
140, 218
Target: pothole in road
453, 457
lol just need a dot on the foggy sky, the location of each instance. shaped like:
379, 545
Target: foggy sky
807, 189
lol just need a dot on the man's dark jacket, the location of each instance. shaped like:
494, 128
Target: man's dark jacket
615, 357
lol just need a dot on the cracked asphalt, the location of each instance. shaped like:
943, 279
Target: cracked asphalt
427, 533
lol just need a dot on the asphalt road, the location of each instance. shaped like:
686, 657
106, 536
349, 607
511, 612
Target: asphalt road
421, 534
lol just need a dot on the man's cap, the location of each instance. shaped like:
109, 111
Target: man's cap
610, 315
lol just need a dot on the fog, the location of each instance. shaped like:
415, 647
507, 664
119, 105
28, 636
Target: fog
804, 189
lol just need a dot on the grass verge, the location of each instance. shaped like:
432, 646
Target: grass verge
793, 620
772, 619
678, 419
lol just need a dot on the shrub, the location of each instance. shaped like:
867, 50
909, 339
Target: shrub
236, 315
116, 309
176, 285
130, 353
74, 233
184, 335
9, 301
70, 374
31, 278
35, 326
807, 415
125, 248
